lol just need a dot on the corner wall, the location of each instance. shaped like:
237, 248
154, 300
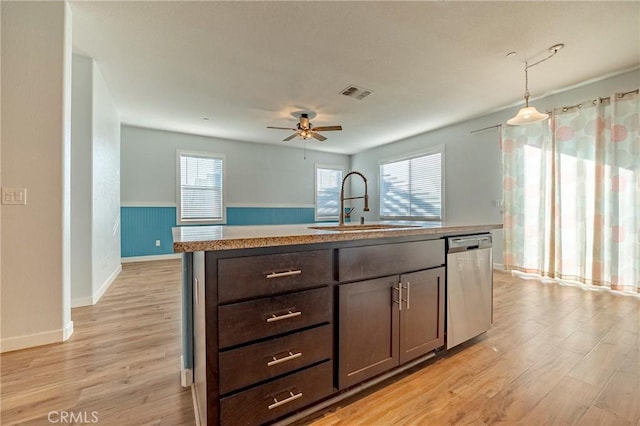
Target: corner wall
105, 235
36, 69
81, 181
95, 185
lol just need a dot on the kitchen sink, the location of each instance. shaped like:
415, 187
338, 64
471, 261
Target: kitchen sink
365, 227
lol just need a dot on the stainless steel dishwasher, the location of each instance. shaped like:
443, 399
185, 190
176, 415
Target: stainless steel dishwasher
469, 287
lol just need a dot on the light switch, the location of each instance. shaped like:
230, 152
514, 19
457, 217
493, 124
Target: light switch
15, 196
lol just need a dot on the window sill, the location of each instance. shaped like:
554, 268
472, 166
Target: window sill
327, 219
409, 218
200, 222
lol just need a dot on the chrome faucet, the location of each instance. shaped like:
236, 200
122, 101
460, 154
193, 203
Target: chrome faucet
342, 198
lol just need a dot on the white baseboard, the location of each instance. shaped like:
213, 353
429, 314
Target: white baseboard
150, 258
98, 294
37, 339
498, 266
186, 376
78, 302
67, 331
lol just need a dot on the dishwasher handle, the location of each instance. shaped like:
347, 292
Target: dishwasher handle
466, 243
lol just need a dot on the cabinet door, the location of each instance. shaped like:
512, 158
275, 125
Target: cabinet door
422, 313
368, 341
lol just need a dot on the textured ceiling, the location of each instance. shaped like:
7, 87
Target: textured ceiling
247, 65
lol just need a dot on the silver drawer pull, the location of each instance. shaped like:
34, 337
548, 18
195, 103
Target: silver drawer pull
284, 274
275, 317
284, 359
277, 403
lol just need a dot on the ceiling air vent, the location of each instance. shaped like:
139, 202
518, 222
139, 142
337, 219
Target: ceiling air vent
356, 92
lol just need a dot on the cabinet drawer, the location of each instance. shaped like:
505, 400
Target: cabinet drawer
246, 277
255, 319
356, 263
277, 398
261, 361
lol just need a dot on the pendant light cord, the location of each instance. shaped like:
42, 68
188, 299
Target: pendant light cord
552, 51
526, 86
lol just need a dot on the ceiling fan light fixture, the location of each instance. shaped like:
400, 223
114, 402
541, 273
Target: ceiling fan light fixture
305, 129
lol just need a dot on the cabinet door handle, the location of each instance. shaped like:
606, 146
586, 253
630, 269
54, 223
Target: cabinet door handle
289, 357
284, 274
399, 301
408, 299
292, 397
274, 317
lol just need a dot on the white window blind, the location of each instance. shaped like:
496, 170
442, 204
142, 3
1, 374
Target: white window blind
412, 188
328, 183
201, 190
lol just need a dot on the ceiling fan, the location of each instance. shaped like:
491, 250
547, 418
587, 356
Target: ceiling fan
305, 129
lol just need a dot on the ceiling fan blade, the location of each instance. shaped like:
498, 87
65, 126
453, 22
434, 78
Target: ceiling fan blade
318, 136
280, 128
290, 137
326, 128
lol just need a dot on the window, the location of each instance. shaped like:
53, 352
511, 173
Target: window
412, 188
328, 183
200, 188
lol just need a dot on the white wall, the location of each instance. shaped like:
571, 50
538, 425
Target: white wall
81, 180
106, 188
256, 174
95, 185
473, 162
36, 65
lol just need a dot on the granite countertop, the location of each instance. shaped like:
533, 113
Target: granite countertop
206, 238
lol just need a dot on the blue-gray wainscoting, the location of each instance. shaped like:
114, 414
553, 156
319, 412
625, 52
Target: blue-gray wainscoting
142, 226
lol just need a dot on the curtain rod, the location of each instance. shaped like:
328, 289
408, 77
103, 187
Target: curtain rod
600, 100
622, 95
486, 128
567, 108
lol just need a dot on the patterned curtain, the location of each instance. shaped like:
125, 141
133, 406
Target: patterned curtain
572, 194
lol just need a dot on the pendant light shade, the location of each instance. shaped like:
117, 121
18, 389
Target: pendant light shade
527, 115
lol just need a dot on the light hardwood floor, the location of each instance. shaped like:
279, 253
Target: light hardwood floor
556, 355
122, 361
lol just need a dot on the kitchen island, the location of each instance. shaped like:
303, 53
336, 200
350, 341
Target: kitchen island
287, 319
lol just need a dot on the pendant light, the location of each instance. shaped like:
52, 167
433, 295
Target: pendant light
529, 114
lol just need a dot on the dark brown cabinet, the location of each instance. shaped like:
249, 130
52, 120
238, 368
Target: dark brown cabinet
268, 342
268, 274
267, 324
368, 329
271, 358
263, 403
422, 315
357, 263
269, 316
388, 321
